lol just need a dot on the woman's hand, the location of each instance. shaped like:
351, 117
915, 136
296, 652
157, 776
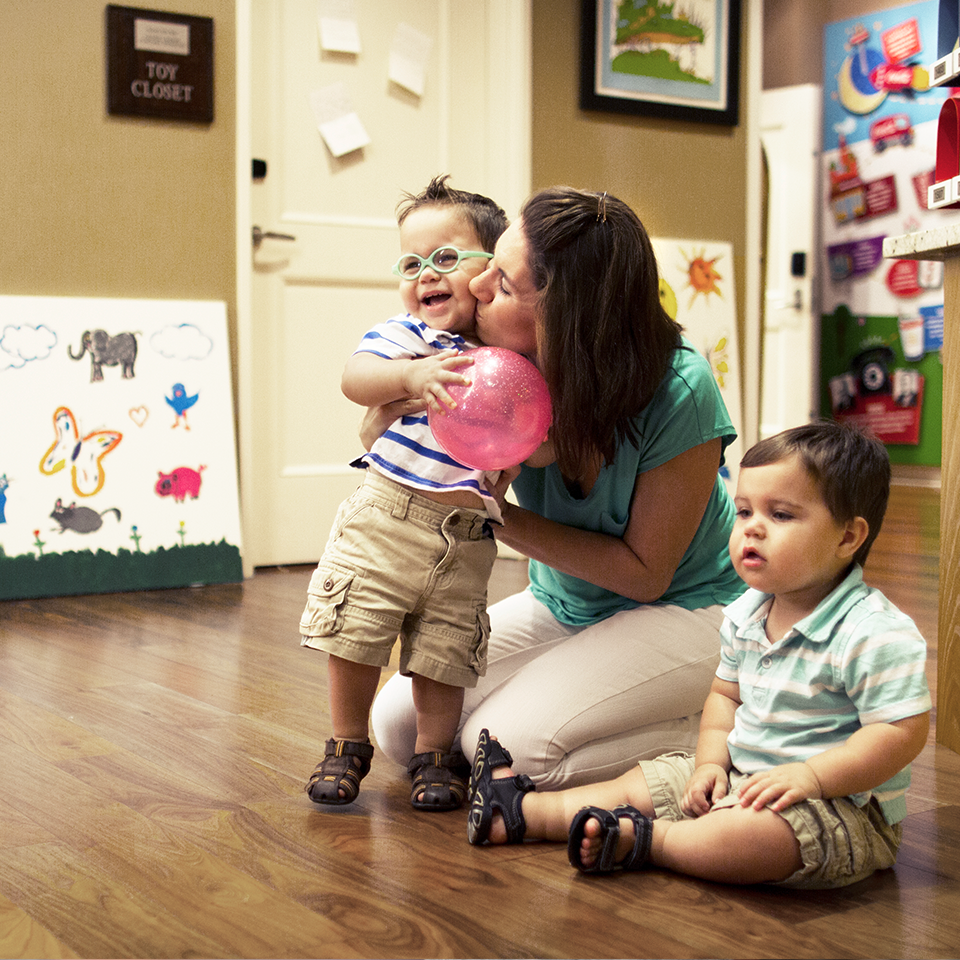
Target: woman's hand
376, 419
498, 490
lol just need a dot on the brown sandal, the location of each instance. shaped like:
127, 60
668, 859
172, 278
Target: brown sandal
439, 781
337, 771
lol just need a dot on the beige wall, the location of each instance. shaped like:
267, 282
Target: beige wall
97, 205
683, 179
793, 36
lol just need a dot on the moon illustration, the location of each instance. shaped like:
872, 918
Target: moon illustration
668, 299
857, 93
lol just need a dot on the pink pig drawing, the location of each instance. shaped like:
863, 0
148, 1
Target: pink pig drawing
183, 481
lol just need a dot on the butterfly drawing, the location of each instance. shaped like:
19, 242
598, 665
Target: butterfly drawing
82, 454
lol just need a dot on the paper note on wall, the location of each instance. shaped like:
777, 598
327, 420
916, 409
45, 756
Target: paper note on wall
409, 56
337, 25
338, 123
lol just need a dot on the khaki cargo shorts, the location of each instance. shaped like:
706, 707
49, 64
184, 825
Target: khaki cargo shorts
399, 564
840, 843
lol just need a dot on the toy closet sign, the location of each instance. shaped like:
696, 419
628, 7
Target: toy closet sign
160, 84
159, 64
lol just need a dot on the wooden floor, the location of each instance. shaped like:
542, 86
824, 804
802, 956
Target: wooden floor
153, 749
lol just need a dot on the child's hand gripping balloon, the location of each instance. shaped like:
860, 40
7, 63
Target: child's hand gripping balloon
501, 418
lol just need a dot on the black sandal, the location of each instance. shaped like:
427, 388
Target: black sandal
337, 771
438, 781
492, 796
610, 834
496, 756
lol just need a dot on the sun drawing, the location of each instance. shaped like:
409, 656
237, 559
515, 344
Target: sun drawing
701, 275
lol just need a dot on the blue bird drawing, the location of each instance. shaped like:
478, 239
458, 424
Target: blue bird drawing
181, 403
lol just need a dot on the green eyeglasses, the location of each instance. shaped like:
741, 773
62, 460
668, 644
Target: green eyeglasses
443, 260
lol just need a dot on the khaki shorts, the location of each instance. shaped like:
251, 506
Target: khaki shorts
399, 564
840, 843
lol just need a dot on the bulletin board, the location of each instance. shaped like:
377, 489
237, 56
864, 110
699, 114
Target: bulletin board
882, 320
697, 290
117, 449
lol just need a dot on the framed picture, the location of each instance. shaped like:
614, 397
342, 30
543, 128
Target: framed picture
676, 59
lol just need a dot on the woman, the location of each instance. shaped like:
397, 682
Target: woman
607, 657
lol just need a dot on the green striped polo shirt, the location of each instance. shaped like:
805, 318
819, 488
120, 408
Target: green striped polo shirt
854, 661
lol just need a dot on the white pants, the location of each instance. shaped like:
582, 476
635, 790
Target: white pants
576, 705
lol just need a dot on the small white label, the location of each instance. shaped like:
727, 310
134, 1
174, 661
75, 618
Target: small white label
161, 37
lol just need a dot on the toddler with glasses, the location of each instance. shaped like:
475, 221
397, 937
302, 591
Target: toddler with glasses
819, 704
412, 549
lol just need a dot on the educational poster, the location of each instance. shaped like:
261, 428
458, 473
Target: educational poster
697, 290
117, 452
882, 320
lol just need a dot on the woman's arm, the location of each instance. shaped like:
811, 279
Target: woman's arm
666, 509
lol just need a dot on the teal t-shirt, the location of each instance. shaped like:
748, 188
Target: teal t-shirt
686, 411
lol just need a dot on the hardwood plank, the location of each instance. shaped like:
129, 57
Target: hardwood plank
17, 829
46, 733
935, 776
20, 936
932, 843
153, 751
84, 907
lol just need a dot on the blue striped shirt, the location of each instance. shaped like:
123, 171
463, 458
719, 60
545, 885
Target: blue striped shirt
854, 661
408, 452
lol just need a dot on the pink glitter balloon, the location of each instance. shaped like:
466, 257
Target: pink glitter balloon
501, 418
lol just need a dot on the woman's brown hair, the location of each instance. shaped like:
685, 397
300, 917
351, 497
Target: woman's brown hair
604, 340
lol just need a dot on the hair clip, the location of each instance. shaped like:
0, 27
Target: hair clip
602, 208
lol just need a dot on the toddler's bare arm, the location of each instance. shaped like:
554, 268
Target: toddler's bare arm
373, 381
869, 757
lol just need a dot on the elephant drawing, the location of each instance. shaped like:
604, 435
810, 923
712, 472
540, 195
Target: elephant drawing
106, 350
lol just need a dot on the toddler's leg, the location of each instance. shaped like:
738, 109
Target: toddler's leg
548, 813
520, 628
352, 687
732, 845
439, 774
438, 707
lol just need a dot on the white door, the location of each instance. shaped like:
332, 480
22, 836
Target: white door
312, 297
790, 134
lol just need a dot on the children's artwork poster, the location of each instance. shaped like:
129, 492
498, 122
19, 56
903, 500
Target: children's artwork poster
882, 320
697, 290
117, 451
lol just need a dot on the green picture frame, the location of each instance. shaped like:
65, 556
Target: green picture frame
674, 60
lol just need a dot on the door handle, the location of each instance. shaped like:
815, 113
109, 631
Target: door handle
260, 235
